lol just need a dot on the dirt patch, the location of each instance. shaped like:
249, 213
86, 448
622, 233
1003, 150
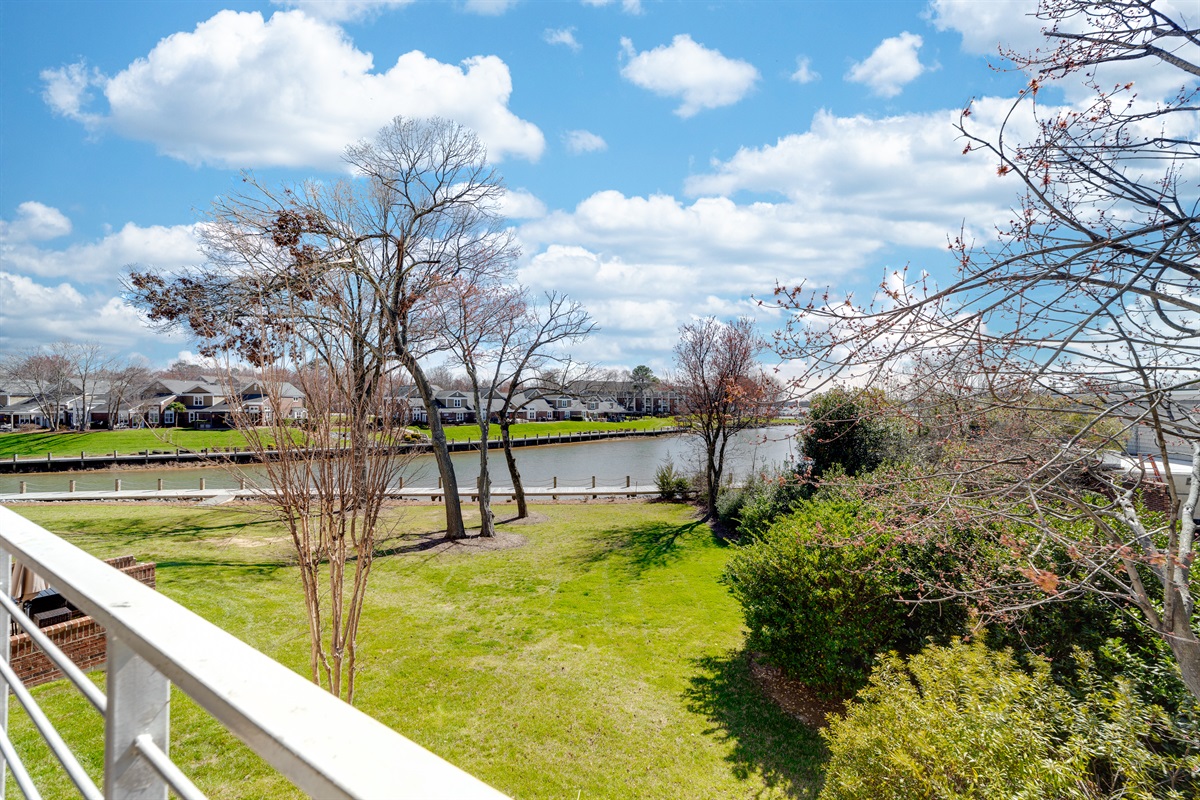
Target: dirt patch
795, 698
534, 518
434, 543
241, 541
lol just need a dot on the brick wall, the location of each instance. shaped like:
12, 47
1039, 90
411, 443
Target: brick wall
81, 639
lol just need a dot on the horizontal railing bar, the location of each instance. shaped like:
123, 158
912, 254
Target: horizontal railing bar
20, 775
63, 753
165, 767
323, 745
56, 655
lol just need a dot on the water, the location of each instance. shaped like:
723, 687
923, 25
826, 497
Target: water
572, 464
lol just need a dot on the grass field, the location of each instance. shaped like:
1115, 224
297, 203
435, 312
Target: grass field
98, 443
464, 432
599, 660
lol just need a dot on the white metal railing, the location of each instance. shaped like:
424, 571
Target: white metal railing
324, 746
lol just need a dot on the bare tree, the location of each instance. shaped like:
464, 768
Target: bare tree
524, 372
124, 381
47, 376
1078, 325
433, 197
721, 389
419, 215
87, 362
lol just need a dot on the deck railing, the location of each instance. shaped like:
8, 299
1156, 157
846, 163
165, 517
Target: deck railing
324, 746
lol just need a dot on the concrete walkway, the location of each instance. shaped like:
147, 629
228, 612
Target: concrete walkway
219, 496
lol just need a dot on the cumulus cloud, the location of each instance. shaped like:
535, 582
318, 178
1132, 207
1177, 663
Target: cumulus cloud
489, 8
741, 248
891, 67
584, 142
985, 27
241, 91
700, 77
905, 168
342, 10
1010, 25
804, 72
521, 204
35, 222
628, 6
563, 36
34, 314
101, 261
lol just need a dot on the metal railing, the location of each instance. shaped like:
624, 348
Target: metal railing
324, 746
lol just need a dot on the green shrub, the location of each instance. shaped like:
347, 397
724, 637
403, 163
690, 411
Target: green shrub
670, 482
966, 722
820, 595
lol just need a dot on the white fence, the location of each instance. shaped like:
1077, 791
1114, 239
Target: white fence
324, 746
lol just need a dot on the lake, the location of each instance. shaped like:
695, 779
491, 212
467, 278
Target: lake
572, 464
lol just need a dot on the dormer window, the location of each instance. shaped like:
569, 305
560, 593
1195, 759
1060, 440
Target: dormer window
564, 403
457, 402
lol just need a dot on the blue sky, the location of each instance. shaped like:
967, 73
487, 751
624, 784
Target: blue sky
665, 160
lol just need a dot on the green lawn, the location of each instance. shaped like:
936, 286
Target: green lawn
471, 431
97, 443
600, 660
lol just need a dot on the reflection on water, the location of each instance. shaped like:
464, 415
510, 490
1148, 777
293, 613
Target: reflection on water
610, 462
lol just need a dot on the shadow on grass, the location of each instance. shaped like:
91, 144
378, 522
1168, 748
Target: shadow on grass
191, 527
764, 740
654, 544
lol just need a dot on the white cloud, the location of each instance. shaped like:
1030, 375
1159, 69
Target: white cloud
35, 222
908, 168
343, 10
628, 6
239, 91
700, 77
584, 142
521, 204
1010, 26
34, 314
489, 8
892, 65
103, 260
563, 36
741, 248
987, 26
804, 72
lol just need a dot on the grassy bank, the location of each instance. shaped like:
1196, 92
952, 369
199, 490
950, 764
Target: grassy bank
464, 432
600, 659
98, 443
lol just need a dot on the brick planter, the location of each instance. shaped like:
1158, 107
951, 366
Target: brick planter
81, 639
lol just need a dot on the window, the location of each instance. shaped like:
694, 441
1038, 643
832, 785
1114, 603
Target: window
564, 403
168, 417
457, 403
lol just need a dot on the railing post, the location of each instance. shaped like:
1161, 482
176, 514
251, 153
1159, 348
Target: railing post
139, 699
5, 653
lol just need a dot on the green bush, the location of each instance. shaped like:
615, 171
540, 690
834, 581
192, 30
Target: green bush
670, 482
820, 594
845, 431
966, 722
751, 509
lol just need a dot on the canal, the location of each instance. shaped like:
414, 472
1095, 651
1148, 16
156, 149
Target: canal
609, 462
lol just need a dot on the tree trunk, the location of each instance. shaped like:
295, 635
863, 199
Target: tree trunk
487, 520
1186, 648
510, 457
455, 529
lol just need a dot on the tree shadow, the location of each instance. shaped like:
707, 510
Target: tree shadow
764, 740
654, 544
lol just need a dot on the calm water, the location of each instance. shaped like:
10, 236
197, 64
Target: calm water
573, 464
